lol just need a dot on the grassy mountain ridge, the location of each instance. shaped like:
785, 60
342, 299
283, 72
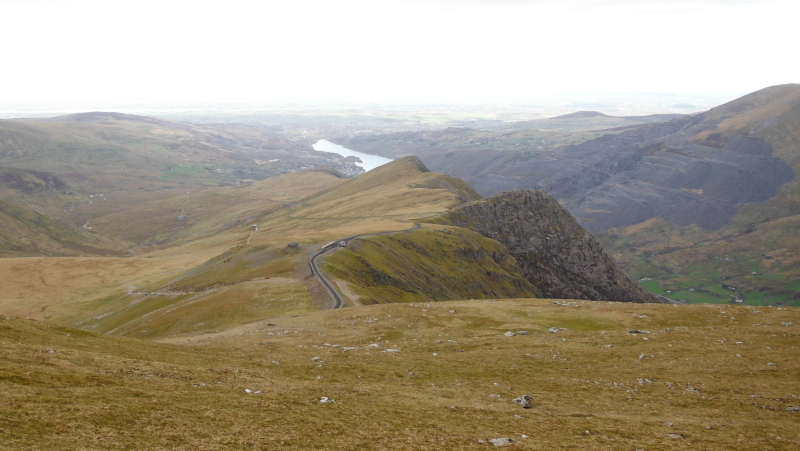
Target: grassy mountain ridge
429, 264
254, 275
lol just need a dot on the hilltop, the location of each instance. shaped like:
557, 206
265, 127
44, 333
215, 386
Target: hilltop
581, 114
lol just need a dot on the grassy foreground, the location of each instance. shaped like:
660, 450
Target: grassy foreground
704, 377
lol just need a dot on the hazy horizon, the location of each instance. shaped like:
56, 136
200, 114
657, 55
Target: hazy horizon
654, 55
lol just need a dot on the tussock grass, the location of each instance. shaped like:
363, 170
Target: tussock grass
704, 375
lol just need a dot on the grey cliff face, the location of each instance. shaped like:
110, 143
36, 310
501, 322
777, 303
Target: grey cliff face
555, 253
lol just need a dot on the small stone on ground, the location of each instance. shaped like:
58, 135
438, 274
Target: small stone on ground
525, 401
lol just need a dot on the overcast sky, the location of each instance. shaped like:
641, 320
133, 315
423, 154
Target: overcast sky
391, 50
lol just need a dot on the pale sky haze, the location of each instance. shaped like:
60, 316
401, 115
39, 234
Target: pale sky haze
390, 50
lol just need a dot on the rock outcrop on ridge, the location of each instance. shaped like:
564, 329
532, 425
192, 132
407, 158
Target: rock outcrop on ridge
554, 252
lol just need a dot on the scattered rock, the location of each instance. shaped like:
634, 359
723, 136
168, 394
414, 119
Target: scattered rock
525, 401
553, 330
502, 441
787, 323
771, 364
326, 400
292, 245
523, 332
373, 346
641, 356
392, 350
634, 331
452, 311
248, 391
481, 441
674, 435
509, 334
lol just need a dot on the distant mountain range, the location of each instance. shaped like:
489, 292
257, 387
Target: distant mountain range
726, 172
701, 208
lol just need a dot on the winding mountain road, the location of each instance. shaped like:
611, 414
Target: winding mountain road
338, 299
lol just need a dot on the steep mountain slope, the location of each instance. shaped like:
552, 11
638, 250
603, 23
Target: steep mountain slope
555, 253
691, 169
428, 264
707, 203
753, 258
529, 246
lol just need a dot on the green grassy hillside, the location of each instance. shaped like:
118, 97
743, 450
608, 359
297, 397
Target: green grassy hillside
435, 263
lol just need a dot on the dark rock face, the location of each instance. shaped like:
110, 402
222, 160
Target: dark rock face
555, 253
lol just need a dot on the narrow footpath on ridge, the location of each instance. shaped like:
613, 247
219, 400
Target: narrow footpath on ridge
338, 299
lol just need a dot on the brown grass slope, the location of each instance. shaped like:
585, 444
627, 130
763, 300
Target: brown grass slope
24, 232
255, 276
703, 378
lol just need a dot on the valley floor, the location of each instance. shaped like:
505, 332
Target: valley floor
416, 376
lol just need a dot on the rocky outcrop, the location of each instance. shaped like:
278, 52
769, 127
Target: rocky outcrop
554, 252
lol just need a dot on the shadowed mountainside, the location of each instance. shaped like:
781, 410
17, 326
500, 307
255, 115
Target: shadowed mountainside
554, 252
705, 205
690, 170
